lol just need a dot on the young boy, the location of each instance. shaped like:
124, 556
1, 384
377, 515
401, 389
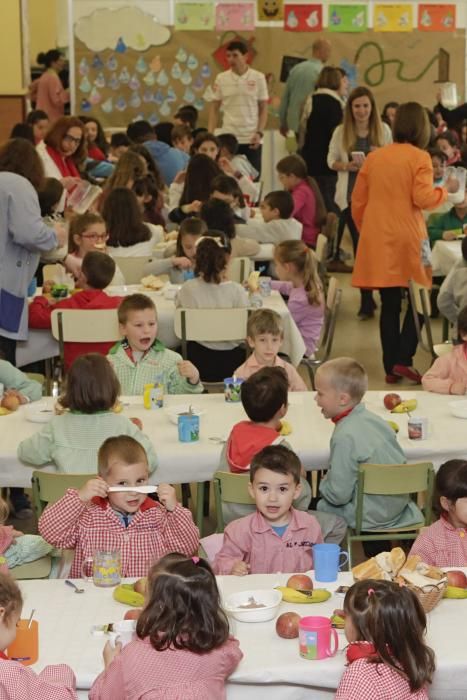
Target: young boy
276, 537
229, 150
265, 334
97, 271
277, 225
141, 529
449, 225
452, 296
186, 115
359, 437
119, 144
139, 357
181, 138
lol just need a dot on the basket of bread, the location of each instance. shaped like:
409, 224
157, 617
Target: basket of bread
428, 582
152, 282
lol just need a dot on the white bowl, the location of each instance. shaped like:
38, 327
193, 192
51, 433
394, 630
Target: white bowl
174, 411
270, 598
458, 408
39, 412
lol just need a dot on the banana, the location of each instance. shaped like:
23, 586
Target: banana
337, 621
455, 592
405, 406
4, 411
126, 594
393, 425
290, 595
286, 428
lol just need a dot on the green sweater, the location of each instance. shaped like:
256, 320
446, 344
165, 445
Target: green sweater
158, 360
72, 441
13, 378
437, 224
358, 438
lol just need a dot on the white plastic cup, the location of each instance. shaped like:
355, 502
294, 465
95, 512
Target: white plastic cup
123, 632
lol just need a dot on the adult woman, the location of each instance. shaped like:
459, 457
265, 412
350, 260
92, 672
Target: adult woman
129, 235
393, 186
325, 114
63, 151
362, 131
389, 113
48, 91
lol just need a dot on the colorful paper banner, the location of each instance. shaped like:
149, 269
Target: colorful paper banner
436, 18
235, 17
270, 10
303, 18
196, 17
393, 18
347, 18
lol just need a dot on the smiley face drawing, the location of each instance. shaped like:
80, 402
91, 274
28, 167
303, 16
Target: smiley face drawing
271, 9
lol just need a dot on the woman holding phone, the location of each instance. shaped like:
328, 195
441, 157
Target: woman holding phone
362, 131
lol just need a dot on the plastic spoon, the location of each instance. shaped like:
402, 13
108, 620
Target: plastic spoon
147, 488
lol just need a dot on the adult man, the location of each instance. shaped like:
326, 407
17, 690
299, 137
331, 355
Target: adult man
300, 83
243, 94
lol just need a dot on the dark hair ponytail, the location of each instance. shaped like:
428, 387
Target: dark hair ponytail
212, 255
46, 59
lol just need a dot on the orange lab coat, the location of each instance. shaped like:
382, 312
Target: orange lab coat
393, 186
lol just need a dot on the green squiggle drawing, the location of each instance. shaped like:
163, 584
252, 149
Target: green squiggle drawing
381, 64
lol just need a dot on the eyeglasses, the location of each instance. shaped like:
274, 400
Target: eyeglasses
72, 139
95, 236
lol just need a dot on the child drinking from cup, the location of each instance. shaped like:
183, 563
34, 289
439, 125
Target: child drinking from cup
448, 373
96, 518
87, 232
276, 537
444, 543
183, 647
387, 655
71, 440
55, 682
139, 357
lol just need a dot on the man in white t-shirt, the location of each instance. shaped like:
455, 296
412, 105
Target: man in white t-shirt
243, 94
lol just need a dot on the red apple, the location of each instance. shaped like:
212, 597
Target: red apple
457, 578
287, 625
133, 614
300, 582
141, 585
391, 401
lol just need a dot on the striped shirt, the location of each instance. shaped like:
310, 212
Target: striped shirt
239, 95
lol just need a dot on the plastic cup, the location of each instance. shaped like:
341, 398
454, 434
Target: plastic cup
188, 427
232, 386
314, 636
326, 561
25, 648
123, 631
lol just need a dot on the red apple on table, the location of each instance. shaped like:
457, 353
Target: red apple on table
133, 614
456, 578
300, 582
391, 401
287, 625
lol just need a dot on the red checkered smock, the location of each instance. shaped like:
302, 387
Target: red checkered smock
363, 680
442, 544
19, 682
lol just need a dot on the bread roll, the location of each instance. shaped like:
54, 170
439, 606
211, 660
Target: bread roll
397, 556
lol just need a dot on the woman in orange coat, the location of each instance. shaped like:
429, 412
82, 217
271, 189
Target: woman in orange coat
393, 186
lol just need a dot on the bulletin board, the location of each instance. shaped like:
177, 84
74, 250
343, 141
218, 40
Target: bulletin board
122, 78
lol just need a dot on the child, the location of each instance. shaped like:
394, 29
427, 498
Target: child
219, 216
298, 274
87, 232
448, 142
359, 436
449, 225
16, 383
16, 548
119, 144
229, 150
387, 655
212, 290
185, 199
56, 682
207, 144
309, 207
452, 296
276, 537
227, 188
186, 115
438, 160
141, 529
95, 139
140, 357
448, 373
71, 440
97, 271
181, 138
180, 263
444, 543
278, 223
183, 640
265, 334
129, 234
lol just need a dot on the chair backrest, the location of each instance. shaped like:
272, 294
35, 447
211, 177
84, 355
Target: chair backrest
49, 487
84, 326
230, 488
331, 293
132, 268
394, 480
420, 302
333, 301
210, 325
321, 248
239, 269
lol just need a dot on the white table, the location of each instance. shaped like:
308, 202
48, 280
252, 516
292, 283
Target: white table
271, 666
445, 254
41, 345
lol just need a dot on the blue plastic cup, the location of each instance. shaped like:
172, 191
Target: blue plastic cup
326, 561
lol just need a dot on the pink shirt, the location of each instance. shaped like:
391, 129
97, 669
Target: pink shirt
442, 544
308, 318
251, 539
252, 365
18, 682
51, 96
305, 211
175, 674
446, 370
363, 680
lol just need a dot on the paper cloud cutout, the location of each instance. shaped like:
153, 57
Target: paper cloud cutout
103, 29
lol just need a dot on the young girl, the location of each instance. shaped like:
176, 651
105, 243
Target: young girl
448, 373
210, 290
196, 189
309, 206
56, 682
180, 265
130, 167
227, 188
448, 142
129, 235
95, 138
219, 216
87, 232
150, 200
297, 271
444, 543
207, 144
71, 440
387, 655
183, 647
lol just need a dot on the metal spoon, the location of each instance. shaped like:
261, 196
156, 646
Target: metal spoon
73, 585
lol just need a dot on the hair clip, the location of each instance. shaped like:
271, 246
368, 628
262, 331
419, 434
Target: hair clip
216, 239
370, 592
195, 560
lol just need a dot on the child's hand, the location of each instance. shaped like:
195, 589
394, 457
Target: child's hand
47, 286
110, 653
457, 388
225, 165
188, 370
240, 568
167, 496
180, 177
93, 488
194, 207
449, 235
182, 262
137, 422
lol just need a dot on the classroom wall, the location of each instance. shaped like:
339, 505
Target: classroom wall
11, 75
42, 23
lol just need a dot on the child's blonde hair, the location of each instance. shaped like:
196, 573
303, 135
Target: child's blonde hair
125, 448
11, 599
347, 375
295, 165
304, 259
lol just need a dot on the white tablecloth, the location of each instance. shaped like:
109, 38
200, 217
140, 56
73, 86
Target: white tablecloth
445, 254
197, 462
41, 344
271, 666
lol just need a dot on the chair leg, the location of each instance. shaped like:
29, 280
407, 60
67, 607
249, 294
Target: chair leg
207, 496
186, 495
200, 493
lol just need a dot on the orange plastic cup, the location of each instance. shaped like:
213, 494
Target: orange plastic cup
25, 648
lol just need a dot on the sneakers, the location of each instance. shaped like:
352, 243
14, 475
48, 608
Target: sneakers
408, 372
